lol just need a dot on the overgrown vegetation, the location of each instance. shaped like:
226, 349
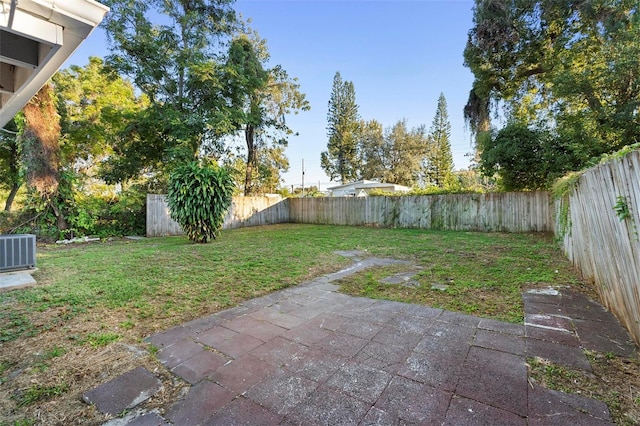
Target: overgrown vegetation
559, 70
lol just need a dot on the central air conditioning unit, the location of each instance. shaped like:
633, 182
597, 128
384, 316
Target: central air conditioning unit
17, 252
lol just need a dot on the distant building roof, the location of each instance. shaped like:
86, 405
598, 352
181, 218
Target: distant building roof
347, 185
363, 187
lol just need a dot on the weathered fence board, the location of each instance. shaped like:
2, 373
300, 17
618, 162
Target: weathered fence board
244, 211
502, 212
604, 248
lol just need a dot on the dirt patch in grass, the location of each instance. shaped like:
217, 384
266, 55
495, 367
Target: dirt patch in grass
44, 376
615, 381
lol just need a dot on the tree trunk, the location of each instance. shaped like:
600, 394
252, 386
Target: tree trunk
249, 135
12, 195
41, 148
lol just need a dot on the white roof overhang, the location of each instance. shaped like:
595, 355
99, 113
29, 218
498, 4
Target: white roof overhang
36, 38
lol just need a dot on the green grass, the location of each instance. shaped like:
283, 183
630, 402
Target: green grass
40, 392
485, 273
98, 340
172, 280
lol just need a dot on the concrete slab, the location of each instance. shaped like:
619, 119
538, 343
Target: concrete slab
328, 407
464, 411
501, 327
569, 356
242, 411
549, 322
316, 365
242, 373
16, 280
436, 369
149, 419
199, 366
281, 391
554, 336
178, 353
124, 392
402, 278
408, 402
500, 342
360, 381
605, 336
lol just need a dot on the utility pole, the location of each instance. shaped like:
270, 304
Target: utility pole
303, 177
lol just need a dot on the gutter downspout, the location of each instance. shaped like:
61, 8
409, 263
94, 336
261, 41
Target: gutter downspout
12, 12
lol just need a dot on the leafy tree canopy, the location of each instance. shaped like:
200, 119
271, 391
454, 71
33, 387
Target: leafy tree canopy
524, 158
565, 66
10, 173
171, 50
93, 104
260, 98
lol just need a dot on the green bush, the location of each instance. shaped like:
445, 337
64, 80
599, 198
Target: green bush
112, 216
87, 215
199, 195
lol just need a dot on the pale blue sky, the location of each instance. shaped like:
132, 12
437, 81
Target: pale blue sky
400, 55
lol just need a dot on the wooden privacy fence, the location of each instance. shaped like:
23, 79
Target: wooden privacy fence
244, 211
603, 246
496, 212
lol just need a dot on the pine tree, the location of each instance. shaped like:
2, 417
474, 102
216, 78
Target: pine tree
341, 158
439, 165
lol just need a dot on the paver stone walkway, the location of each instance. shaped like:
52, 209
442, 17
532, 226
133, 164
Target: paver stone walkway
309, 355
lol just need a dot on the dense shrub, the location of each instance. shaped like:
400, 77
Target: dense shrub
199, 196
86, 214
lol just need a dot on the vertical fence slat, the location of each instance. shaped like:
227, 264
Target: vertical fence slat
604, 247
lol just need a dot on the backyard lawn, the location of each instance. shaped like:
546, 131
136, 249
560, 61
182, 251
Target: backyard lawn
85, 321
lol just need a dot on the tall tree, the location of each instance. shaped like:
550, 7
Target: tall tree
566, 66
404, 153
41, 150
93, 104
523, 158
340, 161
261, 99
10, 175
170, 49
372, 151
438, 167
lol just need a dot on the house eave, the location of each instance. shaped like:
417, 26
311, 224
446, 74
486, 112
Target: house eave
36, 38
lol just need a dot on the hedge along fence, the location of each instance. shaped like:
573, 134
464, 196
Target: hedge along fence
601, 234
244, 211
494, 212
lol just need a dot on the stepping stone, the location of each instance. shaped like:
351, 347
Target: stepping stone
349, 253
402, 278
124, 392
16, 280
547, 407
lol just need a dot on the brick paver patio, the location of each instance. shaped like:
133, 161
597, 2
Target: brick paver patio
309, 355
